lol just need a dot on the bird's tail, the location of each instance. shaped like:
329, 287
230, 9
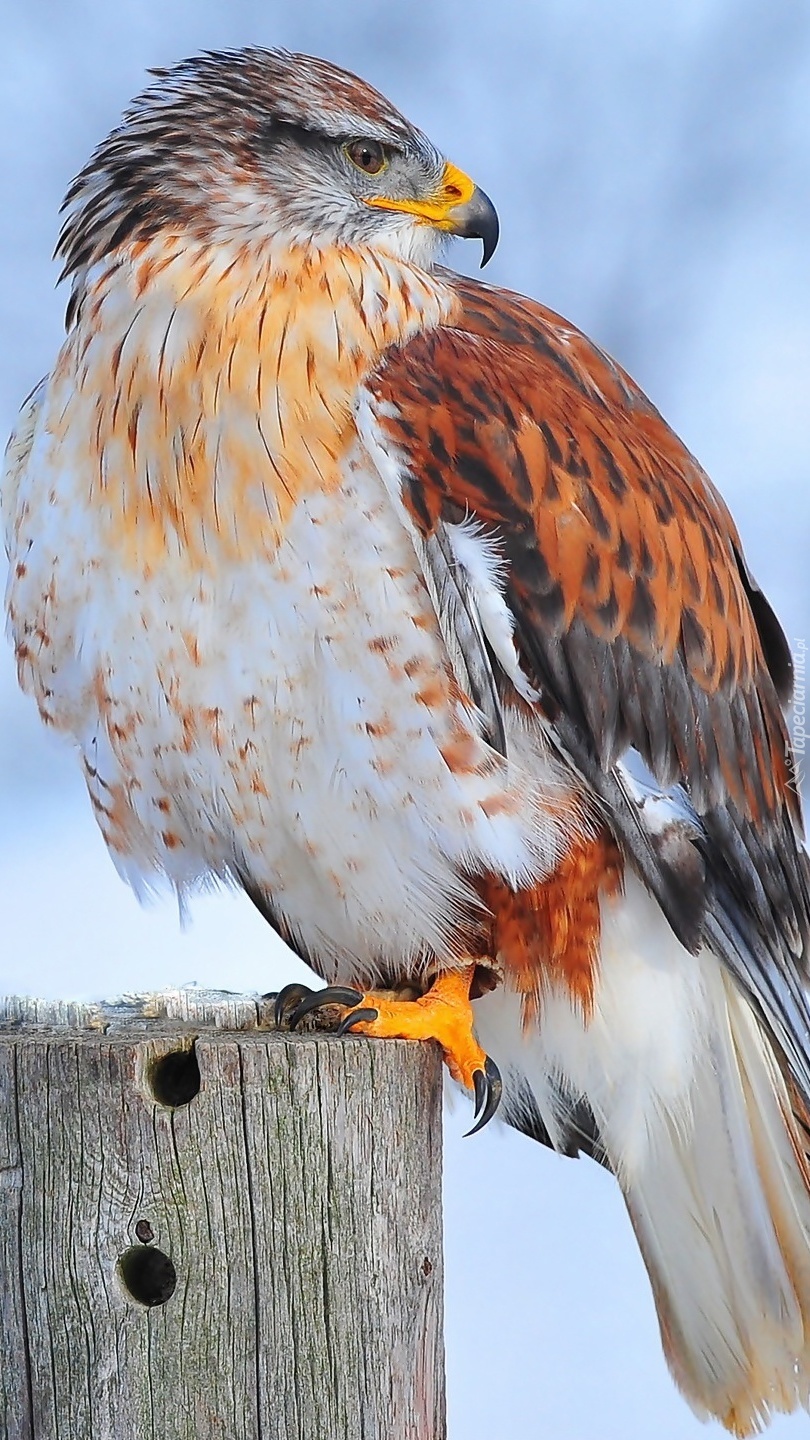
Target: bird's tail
721, 1210
674, 1084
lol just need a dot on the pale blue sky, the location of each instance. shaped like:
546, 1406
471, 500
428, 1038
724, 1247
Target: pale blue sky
651, 166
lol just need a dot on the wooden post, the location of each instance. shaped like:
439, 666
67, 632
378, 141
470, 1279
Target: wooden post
211, 1231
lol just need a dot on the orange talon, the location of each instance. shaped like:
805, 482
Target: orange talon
444, 1013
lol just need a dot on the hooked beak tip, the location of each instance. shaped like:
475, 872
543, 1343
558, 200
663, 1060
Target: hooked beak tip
490, 241
477, 219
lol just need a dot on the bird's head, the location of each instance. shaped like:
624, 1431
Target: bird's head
262, 145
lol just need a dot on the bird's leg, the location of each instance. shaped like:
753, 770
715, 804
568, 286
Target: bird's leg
444, 1013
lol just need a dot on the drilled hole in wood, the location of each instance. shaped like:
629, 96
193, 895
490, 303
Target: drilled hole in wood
147, 1274
175, 1078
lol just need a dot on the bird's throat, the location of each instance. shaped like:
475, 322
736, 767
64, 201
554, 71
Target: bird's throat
214, 389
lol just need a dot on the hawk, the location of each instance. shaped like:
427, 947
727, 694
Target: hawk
389, 597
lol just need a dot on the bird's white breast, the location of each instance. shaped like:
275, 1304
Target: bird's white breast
294, 719
232, 621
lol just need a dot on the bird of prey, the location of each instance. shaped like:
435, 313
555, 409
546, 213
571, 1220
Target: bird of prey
388, 597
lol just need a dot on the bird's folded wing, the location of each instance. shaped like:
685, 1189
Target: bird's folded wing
634, 613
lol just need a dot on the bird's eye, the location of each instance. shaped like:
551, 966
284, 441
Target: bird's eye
367, 155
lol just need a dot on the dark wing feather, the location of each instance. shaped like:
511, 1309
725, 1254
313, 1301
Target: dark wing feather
635, 614
578, 1133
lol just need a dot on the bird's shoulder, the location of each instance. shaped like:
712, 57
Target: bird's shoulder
610, 528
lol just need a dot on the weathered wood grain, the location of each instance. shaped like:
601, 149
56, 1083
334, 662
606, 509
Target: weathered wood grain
297, 1196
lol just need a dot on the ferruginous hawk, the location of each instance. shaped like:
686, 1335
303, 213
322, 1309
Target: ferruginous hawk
388, 597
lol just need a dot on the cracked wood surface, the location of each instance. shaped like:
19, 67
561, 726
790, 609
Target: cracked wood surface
297, 1195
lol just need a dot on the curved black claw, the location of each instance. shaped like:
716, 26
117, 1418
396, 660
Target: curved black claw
488, 1090
354, 1015
315, 999
287, 997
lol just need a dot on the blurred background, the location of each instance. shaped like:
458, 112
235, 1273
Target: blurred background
651, 167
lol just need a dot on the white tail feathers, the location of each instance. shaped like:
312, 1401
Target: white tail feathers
722, 1215
695, 1118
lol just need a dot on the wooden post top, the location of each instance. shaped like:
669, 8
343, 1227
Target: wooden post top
193, 1005
212, 1229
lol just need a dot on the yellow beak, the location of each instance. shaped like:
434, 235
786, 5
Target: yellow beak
458, 206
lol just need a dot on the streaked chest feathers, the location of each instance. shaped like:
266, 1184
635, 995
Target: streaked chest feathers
241, 637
